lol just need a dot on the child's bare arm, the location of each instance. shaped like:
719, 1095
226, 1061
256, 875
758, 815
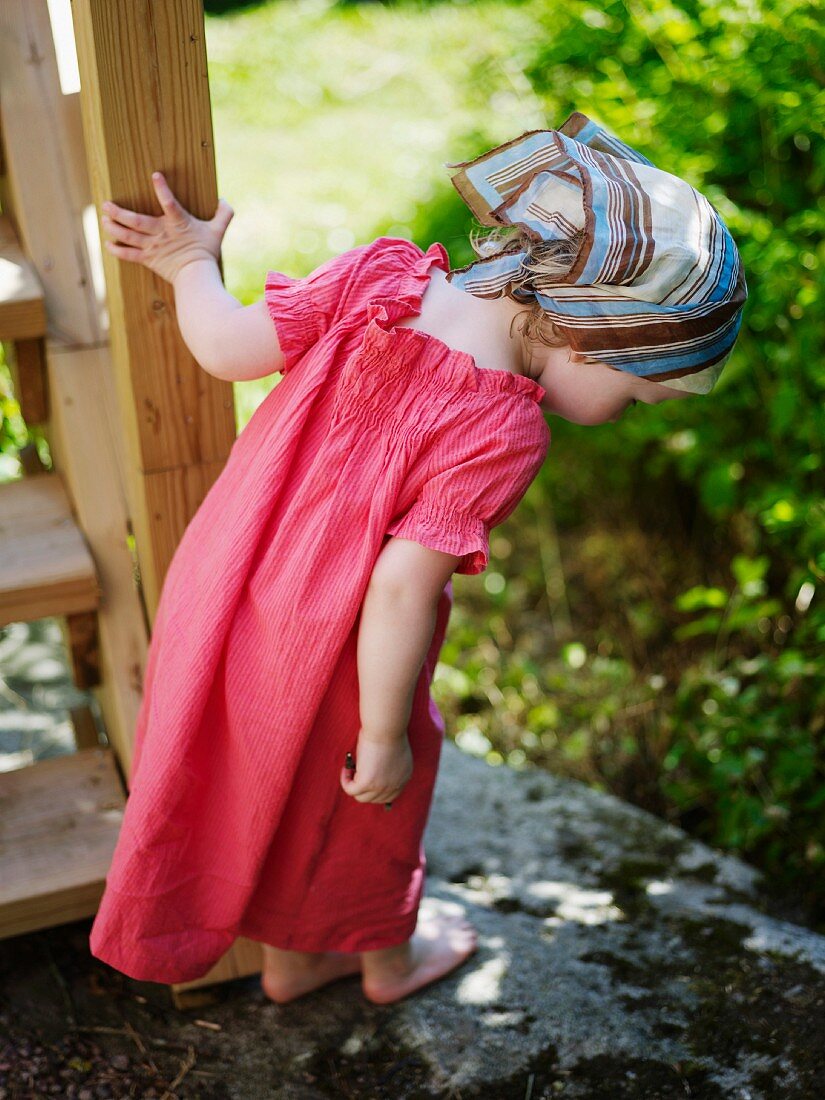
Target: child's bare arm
396, 630
229, 341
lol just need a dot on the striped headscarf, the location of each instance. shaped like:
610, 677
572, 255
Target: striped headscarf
657, 286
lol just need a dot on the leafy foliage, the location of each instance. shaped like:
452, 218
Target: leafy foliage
730, 96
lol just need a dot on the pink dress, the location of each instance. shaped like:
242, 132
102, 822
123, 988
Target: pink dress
236, 823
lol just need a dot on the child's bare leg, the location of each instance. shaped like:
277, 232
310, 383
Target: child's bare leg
439, 944
290, 974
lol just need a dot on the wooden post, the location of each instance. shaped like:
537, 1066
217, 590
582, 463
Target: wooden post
145, 104
44, 188
137, 433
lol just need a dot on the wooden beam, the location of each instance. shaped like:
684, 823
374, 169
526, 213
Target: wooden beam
45, 567
22, 313
45, 191
145, 103
60, 822
139, 435
145, 106
26, 360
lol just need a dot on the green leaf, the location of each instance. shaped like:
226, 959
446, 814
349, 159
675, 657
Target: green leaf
699, 597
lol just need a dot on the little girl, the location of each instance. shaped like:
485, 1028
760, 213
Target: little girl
302, 615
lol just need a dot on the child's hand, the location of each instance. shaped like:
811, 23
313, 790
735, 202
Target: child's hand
167, 243
383, 768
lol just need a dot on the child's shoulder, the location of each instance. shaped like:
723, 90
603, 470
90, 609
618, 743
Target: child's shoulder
386, 266
394, 246
394, 253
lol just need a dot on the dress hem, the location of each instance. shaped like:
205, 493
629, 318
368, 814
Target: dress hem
351, 943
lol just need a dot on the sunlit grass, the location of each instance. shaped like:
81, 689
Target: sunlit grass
333, 124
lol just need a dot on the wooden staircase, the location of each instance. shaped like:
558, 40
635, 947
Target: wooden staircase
59, 818
46, 568
95, 358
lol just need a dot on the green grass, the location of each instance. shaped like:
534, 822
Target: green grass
333, 124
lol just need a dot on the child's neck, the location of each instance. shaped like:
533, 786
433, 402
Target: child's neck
478, 326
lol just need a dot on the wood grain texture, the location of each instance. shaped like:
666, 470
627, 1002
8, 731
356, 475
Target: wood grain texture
60, 821
45, 190
137, 430
22, 313
45, 566
145, 106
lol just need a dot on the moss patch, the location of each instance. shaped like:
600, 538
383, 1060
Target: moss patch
761, 1004
383, 1069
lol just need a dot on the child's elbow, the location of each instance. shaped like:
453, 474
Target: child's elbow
247, 347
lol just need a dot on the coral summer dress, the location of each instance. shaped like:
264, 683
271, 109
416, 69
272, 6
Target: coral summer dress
236, 823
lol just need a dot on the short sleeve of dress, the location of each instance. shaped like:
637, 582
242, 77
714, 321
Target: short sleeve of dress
470, 493
303, 309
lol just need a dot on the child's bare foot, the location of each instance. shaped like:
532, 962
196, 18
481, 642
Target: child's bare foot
290, 974
439, 944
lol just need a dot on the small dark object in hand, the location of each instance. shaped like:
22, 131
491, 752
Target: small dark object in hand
350, 766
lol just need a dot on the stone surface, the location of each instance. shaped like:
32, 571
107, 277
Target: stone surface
618, 958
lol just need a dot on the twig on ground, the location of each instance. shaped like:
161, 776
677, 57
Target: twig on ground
187, 1063
61, 981
130, 1033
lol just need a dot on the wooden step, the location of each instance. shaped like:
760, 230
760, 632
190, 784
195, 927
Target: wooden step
22, 309
46, 567
59, 823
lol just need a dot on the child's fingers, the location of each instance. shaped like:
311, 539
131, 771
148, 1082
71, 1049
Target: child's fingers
121, 235
361, 794
223, 216
167, 200
124, 253
358, 794
142, 223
